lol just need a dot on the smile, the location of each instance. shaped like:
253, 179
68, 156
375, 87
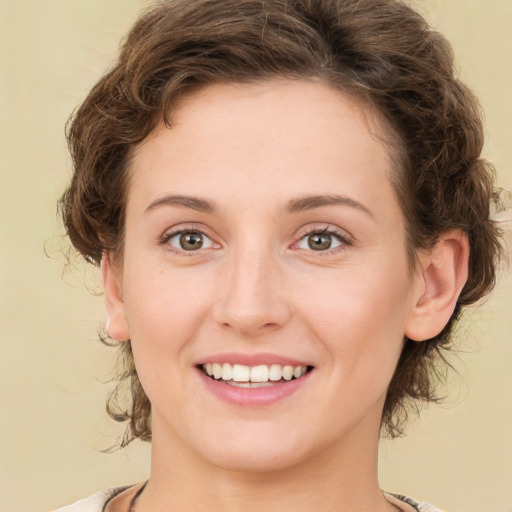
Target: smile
239, 375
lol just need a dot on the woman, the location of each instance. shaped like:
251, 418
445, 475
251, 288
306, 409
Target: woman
289, 210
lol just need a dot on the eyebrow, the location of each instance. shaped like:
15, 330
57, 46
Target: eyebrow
317, 201
294, 206
195, 203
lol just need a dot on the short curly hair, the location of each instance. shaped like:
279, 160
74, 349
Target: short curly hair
379, 51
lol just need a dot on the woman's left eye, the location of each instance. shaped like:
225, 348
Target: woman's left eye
320, 241
189, 241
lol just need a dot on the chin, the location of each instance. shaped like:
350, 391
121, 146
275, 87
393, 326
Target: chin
264, 451
255, 461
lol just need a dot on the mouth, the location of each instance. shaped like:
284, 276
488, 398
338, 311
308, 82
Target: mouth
242, 376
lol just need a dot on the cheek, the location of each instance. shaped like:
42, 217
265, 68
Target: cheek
358, 297
161, 300
360, 316
164, 310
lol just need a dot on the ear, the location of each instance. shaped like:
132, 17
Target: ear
117, 325
442, 274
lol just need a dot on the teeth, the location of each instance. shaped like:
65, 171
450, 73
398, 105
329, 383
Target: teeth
275, 372
240, 373
227, 371
288, 372
249, 384
217, 371
259, 373
253, 376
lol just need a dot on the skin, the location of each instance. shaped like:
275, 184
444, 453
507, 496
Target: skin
256, 286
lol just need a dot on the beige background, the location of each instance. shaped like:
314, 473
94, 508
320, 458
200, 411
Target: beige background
53, 426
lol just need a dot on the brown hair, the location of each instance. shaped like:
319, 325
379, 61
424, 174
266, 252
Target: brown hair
380, 51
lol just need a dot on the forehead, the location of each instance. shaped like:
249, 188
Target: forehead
262, 140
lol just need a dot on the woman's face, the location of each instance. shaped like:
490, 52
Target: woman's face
262, 232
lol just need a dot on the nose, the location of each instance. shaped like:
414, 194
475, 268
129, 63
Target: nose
252, 299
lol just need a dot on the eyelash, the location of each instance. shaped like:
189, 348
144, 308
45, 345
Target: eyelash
342, 239
192, 230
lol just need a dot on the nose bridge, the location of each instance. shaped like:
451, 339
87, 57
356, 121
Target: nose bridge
252, 296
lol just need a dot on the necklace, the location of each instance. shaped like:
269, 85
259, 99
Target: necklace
135, 499
138, 494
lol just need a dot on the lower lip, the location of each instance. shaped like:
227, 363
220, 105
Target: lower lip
253, 397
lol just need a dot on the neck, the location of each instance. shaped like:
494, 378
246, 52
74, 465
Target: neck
342, 477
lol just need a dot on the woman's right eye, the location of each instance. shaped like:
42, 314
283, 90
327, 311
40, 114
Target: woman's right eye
189, 241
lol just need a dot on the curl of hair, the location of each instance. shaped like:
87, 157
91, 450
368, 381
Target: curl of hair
379, 51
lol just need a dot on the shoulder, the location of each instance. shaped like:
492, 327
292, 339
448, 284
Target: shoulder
420, 506
94, 503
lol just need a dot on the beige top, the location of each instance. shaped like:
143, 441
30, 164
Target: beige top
98, 501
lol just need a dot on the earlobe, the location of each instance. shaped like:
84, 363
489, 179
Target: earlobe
117, 325
443, 273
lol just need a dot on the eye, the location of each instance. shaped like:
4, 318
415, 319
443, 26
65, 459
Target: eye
321, 241
189, 241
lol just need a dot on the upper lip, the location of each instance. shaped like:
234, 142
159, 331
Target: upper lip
252, 359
